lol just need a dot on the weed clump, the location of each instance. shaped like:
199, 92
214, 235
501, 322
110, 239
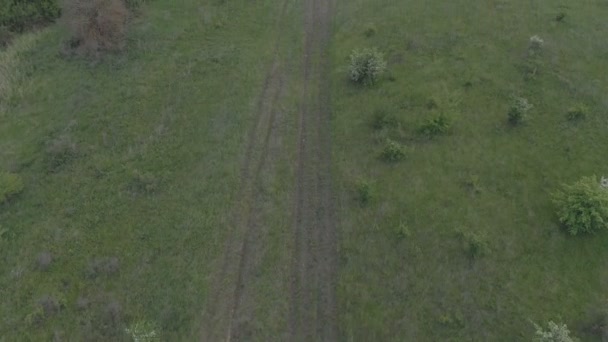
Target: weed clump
10, 186
364, 193
436, 126
366, 66
96, 25
577, 113
393, 151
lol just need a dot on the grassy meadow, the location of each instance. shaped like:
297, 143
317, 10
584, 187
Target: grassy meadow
131, 166
460, 241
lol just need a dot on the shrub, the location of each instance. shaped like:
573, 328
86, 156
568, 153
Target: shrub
555, 333
10, 185
583, 206
518, 112
535, 45
393, 151
436, 126
19, 15
96, 25
577, 113
403, 231
366, 66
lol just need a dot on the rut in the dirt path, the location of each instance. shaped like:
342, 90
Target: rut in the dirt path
225, 311
314, 308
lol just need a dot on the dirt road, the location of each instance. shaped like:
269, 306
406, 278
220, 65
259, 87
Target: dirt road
313, 314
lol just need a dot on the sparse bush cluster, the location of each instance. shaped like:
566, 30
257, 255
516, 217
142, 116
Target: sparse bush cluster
583, 206
18, 15
366, 66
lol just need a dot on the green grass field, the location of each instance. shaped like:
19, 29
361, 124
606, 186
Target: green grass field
131, 167
405, 273
136, 157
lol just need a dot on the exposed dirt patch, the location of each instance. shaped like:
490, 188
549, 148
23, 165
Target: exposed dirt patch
231, 313
314, 313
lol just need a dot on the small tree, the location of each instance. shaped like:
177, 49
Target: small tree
555, 333
583, 206
366, 66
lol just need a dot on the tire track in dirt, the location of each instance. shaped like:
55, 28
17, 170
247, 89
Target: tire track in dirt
229, 285
314, 315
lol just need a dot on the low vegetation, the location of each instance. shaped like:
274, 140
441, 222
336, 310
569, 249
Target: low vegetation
583, 206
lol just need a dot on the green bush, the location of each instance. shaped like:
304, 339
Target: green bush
583, 206
18, 15
518, 112
10, 185
555, 333
366, 66
438, 125
393, 151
